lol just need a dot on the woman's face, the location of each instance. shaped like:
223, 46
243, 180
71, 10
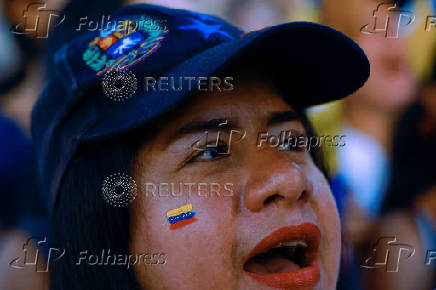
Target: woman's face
265, 215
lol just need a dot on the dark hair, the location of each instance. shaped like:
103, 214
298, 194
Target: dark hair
413, 160
83, 221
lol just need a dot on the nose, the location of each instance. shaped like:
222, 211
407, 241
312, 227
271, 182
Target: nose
277, 180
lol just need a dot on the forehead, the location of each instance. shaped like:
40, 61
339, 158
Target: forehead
252, 105
252, 99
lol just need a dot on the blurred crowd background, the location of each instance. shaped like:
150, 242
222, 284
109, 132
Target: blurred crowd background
384, 178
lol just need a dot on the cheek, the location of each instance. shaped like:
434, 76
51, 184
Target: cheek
207, 241
331, 238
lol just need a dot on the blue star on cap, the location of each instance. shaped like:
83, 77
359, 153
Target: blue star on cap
206, 29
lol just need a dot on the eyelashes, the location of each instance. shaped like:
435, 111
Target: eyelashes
288, 146
222, 150
218, 149
210, 152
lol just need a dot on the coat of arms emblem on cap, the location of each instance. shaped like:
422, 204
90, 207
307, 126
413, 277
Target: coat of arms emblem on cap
124, 44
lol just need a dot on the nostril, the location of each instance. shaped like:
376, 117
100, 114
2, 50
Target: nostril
304, 196
272, 198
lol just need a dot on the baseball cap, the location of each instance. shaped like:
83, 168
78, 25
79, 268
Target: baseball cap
138, 41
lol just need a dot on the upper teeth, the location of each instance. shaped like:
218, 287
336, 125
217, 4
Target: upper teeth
297, 243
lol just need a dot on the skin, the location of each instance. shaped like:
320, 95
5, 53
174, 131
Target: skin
389, 65
271, 189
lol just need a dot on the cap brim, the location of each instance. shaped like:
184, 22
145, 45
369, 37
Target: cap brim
324, 65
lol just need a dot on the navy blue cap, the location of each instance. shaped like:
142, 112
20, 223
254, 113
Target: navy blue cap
154, 41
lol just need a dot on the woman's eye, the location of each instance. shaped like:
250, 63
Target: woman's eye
211, 153
292, 146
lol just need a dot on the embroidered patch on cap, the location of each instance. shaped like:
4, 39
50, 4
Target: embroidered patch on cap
124, 44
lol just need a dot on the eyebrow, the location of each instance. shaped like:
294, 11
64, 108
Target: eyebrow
213, 124
201, 126
281, 117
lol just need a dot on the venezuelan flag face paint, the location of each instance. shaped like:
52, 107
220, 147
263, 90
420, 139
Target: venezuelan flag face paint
181, 216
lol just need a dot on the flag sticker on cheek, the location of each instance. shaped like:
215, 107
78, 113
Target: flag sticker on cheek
181, 216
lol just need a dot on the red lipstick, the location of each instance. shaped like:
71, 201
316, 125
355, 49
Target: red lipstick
278, 268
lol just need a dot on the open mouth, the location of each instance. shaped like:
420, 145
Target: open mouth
287, 258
